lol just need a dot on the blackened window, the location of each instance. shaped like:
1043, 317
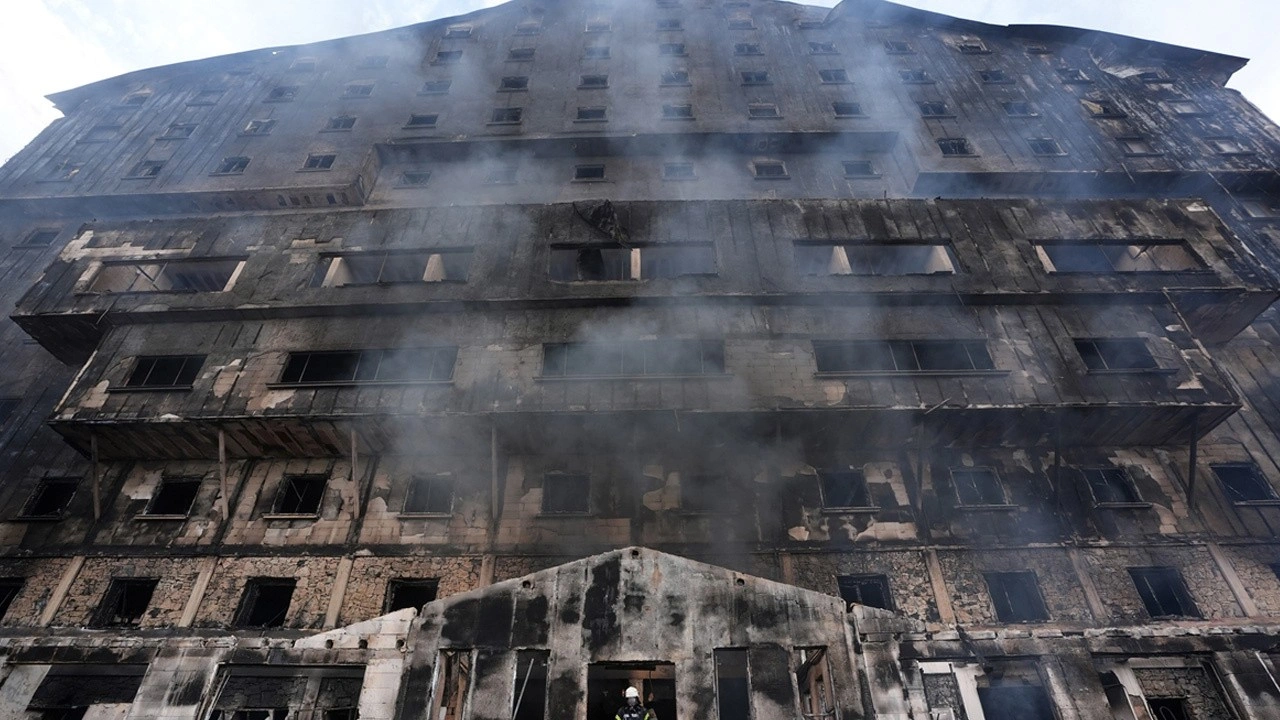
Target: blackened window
994, 76
232, 165
669, 25
770, 170
357, 90
1045, 146
834, 76
43, 237
755, 77
522, 54
846, 108
410, 593
258, 127
300, 495
429, 494
7, 406
976, 487
1084, 257
905, 356
415, 177
1111, 486
858, 168
1163, 592
591, 114
704, 493
265, 603
1072, 75
822, 48
361, 366
678, 171
435, 87
178, 131
283, 93
319, 161
506, 116
972, 47
596, 52
677, 112
165, 371
1016, 596
934, 108
593, 171
125, 602
635, 358
1019, 108
457, 32
869, 590
898, 47
1015, 702
613, 262
50, 499
592, 82
447, 57
915, 77
1115, 354
303, 65
1100, 108
1138, 146
1244, 482
747, 49
9, 589
566, 493
843, 489
514, 82
173, 497
1169, 708
955, 147
424, 120
675, 77
340, 122
147, 169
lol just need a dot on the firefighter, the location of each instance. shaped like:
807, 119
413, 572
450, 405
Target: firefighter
633, 710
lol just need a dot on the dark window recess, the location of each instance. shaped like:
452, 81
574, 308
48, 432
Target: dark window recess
232, 166
915, 77
1163, 592
165, 371
747, 49
179, 131
822, 48
429, 494
846, 109
994, 76
566, 493
705, 493
901, 356
529, 696
282, 93
435, 87
972, 47
1244, 482
1174, 708
415, 177
457, 32
591, 114
733, 693
869, 590
300, 495
1137, 146
341, 122
834, 76
174, 496
410, 593
359, 366
634, 358
50, 499
770, 169
508, 116
514, 82
203, 275
69, 690
588, 172
1115, 354
596, 52
319, 162
101, 133
675, 77
843, 489
125, 602
43, 237
1019, 108
1045, 146
1015, 702
265, 603
976, 487
7, 406
677, 112
1102, 108
1072, 75
448, 57
955, 146
147, 169
259, 127
1016, 596
9, 589
1108, 258
587, 82
358, 90
523, 54
934, 109
898, 47
1111, 486
68, 170
422, 121
755, 77
678, 171
571, 263
864, 168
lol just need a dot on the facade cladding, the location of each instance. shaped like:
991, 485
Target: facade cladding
776, 360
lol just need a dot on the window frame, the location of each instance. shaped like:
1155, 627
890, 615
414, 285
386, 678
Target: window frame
250, 596
1176, 585
862, 580
1131, 344
160, 488
1272, 497
582, 478
355, 380
128, 384
1007, 611
861, 489
999, 486
280, 503
1105, 475
37, 493
432, 481
104, 616
895, 350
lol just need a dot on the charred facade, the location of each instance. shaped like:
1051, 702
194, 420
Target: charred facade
781, 361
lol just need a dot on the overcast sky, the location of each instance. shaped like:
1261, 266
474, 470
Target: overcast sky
52, 45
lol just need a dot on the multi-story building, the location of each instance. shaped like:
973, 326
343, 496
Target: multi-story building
781, 361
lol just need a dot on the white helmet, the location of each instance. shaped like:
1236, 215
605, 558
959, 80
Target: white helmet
633, 693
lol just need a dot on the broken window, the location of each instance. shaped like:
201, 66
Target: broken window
265, 603
1101, 108
915, 77
1045, 146
69, 692
435, 87
299, 495
1162, 256
1071, 75
994, 77
448, 57
755, 77
591, 114
283, 93
1015, 702
634, 358
901, 356
571, 263
258, 127
232, 165
566, 493
898, 47
165, 371
319, 161
934, 109
1136, 146
9, 589
514, 83
822, 48
410, 593
506, 116
870, 590
429, 494
678, 171
1111, 486
280, 692
1174, 708
178, 131
1019, 108
529, 698
677, 112
846, 109
770, 169
147, 169
173, 498
843, 489
1260, 207
125, 602
1163, 592
595, 52
425, 120
190, 276
593, 82
362, 366
391, 268
1016, 596
747, 49
834, 77
955, 147
733, 692
456, 32
813, 678
1244, 483
675, 77
340, 122
972, 47
978, 487
63, 171
1115, 354
453, 684
50, 499
521, 54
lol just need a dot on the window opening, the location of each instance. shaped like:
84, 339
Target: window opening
705, 493
179, 131
443, 265
50, 499
174, 496
211, 275
607, 684
448, 57
422, 120
147, 169
593, 82
1115, 354
747, 49
435, 87
677, 112
813, 678
361, 366
259, 127
1169, 709
9, 589
43, 237
529, 699
846, 109
319, 162
676, 171
901, 356
1163, 592
733, 691
1244, 482
165, 371
506, 116
634, 358
836, 77
566, 493
283, 93
1019, 108
1015, 702
977, 487
523, 54
357, 90
1117, 258
770, 170
232, 166
575, 263
453, 681
300, 495
591, 114
429, 494
341, 122
265, 603
1111, 486
515, 82
1045, 146
126, 601
1016, 596
955, 147
934, 109
410, 593
843, 489
870, 590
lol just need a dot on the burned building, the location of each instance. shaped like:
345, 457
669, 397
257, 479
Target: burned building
778, 361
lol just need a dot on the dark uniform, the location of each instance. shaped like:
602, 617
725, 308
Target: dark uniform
635, 712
